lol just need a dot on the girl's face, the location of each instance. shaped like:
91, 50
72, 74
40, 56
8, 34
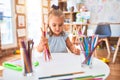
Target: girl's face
56, 24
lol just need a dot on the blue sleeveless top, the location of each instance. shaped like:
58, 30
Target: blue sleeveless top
57, 44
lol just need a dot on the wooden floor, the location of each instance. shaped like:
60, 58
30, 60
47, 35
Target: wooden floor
114, 68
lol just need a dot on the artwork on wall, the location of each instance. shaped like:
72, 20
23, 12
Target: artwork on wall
21, 1
104, 10
21, 32
21, 21
21, 18
20, 9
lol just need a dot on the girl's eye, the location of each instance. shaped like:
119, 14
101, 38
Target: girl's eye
54, 25
60, 25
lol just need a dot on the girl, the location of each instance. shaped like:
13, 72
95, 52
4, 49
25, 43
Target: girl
58, 40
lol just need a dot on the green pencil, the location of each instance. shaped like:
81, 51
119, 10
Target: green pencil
89, 77
61, 75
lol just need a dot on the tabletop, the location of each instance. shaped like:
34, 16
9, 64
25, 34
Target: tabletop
61, 63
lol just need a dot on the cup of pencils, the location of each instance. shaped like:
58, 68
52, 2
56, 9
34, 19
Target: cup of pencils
26, 56
87, 60
87, 46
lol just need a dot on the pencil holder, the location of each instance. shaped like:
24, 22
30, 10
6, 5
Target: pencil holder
87, 46
87, 59
26, 57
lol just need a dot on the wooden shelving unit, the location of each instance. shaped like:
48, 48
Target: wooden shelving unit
45, 10
70, 17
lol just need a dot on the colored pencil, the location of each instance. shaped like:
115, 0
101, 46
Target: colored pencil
61, 75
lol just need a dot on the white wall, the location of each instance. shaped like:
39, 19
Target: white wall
34, 19
105, 11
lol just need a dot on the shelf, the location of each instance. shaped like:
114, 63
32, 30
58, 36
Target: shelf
69, 12
78, 23
66, 12
70, 17
45, 7
62, 1
67, 23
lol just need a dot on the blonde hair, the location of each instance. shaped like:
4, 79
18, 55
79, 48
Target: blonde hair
54, 12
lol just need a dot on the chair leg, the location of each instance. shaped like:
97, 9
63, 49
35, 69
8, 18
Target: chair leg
116, 50
95, 54
108, 47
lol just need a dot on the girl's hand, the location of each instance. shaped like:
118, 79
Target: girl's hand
43, 39
76, 51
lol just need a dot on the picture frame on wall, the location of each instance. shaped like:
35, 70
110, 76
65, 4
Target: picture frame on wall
21, 32
20, 9
21, 20
21, 2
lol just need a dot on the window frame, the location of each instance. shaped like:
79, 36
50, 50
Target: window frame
13, 20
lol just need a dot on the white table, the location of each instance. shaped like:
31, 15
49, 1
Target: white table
60, 63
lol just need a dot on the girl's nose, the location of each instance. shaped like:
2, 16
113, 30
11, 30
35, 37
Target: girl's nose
57, 28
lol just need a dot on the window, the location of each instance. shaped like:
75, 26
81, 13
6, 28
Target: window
7, 24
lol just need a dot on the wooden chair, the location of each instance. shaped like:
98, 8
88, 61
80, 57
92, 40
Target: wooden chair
103, 31
116, 50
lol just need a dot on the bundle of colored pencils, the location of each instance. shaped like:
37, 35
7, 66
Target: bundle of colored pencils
26, 53
47, 54
87, 45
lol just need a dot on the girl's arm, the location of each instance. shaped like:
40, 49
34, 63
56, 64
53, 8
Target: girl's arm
72, 47
40, 46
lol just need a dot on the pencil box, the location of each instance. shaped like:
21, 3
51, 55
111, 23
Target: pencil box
12, 66
15, 66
